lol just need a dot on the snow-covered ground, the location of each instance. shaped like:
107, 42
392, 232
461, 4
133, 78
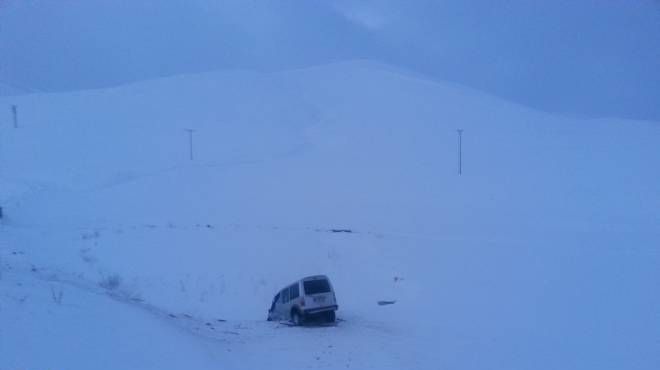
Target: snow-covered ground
117, 251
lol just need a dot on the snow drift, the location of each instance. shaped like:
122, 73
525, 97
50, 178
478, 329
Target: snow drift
543, 254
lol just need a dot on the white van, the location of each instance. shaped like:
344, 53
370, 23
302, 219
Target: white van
311, 298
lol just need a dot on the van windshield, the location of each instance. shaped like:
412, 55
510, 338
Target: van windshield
316, 286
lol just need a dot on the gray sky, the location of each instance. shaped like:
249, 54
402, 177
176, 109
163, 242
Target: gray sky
585, 57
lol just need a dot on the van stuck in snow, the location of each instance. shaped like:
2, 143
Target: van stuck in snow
308, 299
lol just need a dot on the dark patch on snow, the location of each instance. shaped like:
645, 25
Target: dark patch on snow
385, 303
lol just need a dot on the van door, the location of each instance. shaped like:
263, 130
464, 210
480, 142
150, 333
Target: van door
285, 307
294, 295
319, 292
273, 307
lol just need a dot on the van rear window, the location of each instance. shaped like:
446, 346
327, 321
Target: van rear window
316, 286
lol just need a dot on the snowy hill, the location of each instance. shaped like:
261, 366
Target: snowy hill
542, 254
578, 57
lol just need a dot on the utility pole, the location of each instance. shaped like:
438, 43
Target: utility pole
190, 141
460, 151
14, 111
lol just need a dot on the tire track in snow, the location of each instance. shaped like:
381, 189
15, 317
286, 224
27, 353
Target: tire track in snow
209, 329
212, 329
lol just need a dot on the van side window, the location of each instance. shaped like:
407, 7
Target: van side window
294, 291
277, 298
285, 295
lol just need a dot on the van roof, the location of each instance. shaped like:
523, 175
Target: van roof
308, 278
315, 277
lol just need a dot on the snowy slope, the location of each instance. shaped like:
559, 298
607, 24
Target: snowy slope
543, 254
10, 90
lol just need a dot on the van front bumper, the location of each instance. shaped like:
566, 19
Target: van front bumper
311, 311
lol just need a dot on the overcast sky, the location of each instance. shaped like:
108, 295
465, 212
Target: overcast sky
586, 57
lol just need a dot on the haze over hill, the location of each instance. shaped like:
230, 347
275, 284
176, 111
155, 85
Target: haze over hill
590, 58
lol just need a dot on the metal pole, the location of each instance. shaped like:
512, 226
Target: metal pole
460, 151
14, 111
190, 141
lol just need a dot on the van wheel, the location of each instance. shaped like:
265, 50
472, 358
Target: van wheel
330, 316
296, 318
